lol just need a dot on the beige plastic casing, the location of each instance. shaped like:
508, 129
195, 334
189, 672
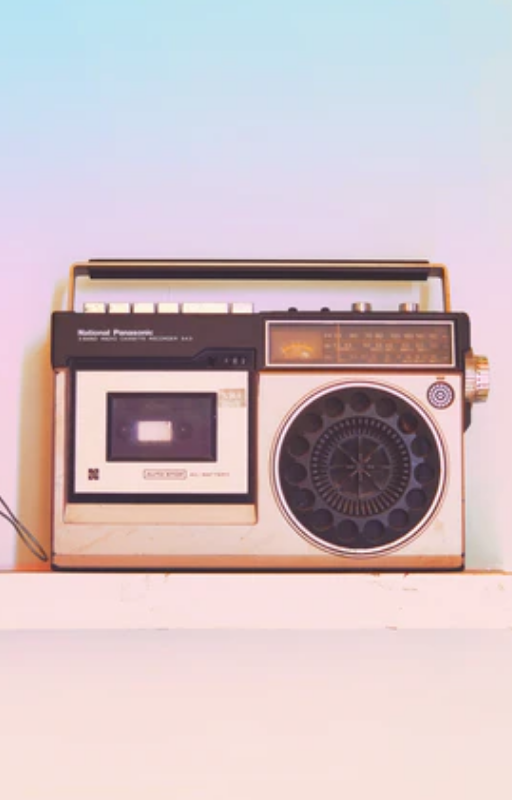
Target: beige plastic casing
259, 536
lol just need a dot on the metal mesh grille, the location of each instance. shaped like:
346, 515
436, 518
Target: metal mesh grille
358, 468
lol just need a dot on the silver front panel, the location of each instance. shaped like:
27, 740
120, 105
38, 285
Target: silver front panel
157, 536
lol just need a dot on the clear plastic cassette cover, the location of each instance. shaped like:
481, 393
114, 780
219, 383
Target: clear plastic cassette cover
177, 426
145, 433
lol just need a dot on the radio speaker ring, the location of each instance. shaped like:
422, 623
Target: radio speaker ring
358, 469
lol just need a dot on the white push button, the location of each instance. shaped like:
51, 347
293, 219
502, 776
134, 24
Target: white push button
205, 308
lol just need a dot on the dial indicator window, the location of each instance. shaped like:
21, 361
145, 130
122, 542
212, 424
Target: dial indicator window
360, 344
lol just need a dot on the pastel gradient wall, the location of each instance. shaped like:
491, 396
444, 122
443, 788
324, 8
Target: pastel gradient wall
269, 129
343, 129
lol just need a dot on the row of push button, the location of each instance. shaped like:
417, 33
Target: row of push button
168, 308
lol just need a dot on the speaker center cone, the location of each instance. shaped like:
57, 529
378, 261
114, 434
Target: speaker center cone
360, 466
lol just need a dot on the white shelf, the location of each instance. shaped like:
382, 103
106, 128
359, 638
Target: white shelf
122, 601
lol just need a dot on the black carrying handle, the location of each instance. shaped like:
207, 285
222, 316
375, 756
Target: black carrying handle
306, 270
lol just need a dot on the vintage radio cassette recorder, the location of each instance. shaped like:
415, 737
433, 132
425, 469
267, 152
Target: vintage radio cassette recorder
261, 415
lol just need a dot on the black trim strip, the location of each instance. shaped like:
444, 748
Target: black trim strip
164, 499
232, 269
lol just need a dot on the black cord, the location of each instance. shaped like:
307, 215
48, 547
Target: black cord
26, 537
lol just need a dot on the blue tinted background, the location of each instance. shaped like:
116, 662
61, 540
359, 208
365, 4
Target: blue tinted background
157, 127
330, 129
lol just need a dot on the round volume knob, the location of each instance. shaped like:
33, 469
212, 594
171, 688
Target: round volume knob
409, 308
477, 378
361, 307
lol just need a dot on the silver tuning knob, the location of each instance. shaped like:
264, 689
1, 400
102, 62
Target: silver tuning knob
478, 378
361, 307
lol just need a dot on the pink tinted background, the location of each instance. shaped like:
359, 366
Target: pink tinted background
370, 130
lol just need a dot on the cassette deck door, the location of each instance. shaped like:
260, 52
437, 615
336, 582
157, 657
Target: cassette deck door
160, 436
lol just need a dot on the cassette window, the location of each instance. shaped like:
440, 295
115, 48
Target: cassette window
174, 426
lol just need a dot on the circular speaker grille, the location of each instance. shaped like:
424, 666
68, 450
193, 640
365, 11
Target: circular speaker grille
358, 469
